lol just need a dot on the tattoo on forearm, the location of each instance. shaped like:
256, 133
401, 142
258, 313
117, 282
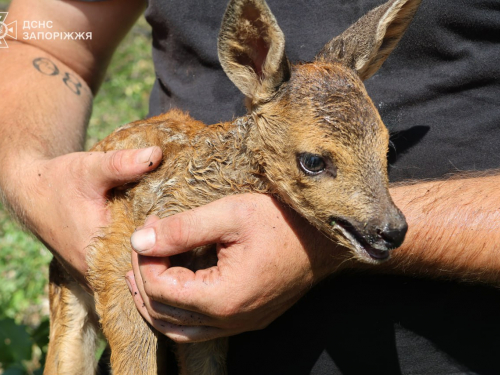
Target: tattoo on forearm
72, 82
47, 67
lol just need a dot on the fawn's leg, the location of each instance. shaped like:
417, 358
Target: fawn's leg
203, 358
133, 342
73, 326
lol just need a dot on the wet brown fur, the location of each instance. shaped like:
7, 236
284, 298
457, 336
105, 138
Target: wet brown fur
320, 107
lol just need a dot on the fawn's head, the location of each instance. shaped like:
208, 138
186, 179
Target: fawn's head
316, 134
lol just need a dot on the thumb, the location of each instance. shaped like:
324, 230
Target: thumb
184, 231
115, 168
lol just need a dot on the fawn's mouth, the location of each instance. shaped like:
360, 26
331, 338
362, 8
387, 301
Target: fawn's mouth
360, 244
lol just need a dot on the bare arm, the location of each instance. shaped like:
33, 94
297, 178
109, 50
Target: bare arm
47, 90
454, 228
454, 232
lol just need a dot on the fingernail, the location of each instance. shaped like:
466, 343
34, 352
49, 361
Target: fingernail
144, 156
128, 284
143, 239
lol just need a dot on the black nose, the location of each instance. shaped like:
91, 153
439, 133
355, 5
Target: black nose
393, 235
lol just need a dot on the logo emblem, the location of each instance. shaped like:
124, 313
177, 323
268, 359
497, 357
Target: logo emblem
6, 29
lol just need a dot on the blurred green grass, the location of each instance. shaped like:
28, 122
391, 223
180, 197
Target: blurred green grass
123, 97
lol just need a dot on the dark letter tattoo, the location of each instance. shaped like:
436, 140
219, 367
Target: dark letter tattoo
72, 83
47, 67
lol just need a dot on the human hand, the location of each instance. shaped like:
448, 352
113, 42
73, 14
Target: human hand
63, 200
268, 257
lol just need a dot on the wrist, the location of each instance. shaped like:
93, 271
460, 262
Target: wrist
18, 190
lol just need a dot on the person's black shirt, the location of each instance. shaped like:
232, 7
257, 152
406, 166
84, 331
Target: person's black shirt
439, 95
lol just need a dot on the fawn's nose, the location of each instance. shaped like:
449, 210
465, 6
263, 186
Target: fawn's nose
393, 235
387, 232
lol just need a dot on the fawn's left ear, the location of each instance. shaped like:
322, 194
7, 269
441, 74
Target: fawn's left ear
366, 44
252, 49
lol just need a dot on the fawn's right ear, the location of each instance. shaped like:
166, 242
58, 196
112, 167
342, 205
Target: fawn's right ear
252, 49
367, 43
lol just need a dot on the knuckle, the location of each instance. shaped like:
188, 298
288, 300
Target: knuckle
115, 163
177, 230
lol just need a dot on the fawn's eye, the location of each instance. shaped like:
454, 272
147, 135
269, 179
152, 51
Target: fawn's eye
312, 164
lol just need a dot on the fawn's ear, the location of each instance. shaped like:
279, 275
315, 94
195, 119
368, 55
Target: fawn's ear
366, 44
252, 49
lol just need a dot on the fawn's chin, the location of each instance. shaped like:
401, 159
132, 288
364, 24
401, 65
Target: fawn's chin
362, 249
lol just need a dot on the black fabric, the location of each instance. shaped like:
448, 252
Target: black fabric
378, 325
438, 94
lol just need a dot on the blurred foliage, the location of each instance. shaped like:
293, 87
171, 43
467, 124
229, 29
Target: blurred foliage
22, 348
23, 271
124, 95
24, 327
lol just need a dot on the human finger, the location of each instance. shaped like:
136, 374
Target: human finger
162, 312
115, 168
179, 325
190, 229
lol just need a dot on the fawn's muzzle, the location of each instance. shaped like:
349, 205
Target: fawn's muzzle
387, 232
392, 236
373, 241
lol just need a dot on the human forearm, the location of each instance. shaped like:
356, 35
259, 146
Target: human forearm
47, 84
45, 109
44, 101
60, 195
46, 95
454, 228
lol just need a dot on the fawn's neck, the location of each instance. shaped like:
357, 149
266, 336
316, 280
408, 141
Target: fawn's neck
234, 144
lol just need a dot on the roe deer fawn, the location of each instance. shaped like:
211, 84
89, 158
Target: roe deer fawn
312, 137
